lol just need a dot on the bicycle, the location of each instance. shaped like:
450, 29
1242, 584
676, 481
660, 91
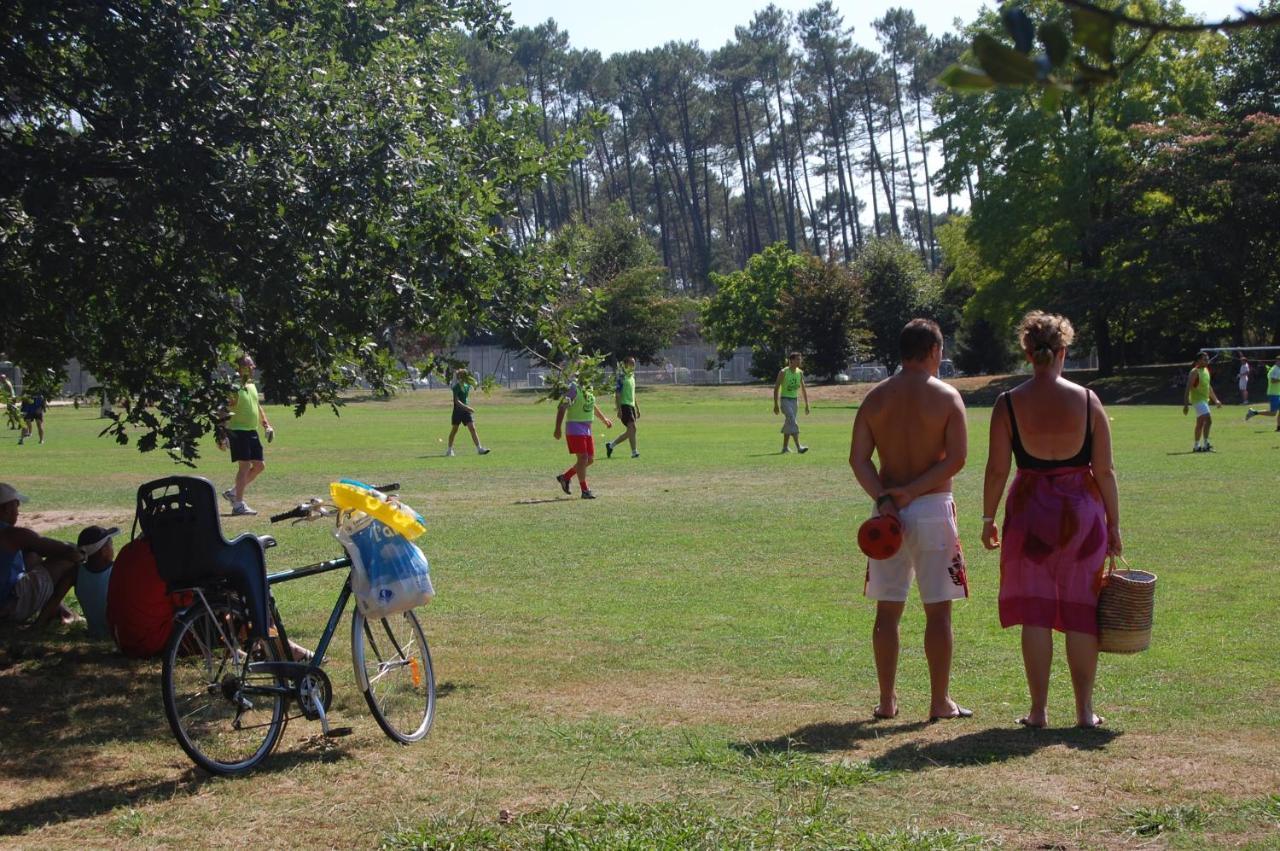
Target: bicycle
227, 689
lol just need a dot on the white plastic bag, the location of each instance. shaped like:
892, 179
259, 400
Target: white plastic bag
389, 574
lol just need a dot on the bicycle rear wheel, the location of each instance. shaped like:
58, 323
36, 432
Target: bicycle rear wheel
393, 669
225, 717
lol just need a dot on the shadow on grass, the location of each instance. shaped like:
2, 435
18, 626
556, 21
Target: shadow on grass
996, 744
99, 800
827, 736
62, 701
543, 501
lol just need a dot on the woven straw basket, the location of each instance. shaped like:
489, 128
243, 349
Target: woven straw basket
1126, 607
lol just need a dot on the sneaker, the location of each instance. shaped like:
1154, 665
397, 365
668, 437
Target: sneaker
564, 483
608, 450
637, 454
786, 451
1208, 447
1250, 414
1196, 448
242, 509
480, 450
449, 453
20, 440
230, 496
42, 441
587, 494
803, 449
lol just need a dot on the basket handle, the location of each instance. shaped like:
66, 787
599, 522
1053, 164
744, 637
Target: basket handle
1112, 568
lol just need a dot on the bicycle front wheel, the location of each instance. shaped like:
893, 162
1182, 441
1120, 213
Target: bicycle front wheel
393, 669
225, 717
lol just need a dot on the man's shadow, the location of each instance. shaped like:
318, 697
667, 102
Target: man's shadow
825, 736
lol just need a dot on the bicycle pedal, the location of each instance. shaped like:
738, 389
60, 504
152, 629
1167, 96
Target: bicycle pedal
338, 732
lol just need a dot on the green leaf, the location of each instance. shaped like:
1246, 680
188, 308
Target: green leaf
1003, 63
1020, 28
962, 78
1095, 31
1057, 45
1051, 99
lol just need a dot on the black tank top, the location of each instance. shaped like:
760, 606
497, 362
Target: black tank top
1027, 461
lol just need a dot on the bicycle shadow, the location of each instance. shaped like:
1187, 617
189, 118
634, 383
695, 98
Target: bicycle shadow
993, 745
826, 736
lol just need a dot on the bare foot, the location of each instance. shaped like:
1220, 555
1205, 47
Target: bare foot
949, 710
1097, 722
1034, 720
885, 714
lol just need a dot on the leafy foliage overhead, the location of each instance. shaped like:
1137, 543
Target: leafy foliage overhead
187, 179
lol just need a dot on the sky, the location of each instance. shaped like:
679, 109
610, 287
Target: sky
611, 26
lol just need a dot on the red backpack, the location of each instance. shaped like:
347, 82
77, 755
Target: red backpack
139, 607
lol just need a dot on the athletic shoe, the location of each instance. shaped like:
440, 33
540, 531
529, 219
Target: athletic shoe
587, 494
230, 496
608, 450
449, 453
1250, 414
1208, 447
480, 450
637, 454
242, 509
42, 441
564, 483
803, 449
20, 440
786, 452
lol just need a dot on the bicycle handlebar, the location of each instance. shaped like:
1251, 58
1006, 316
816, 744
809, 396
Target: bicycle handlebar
305, 509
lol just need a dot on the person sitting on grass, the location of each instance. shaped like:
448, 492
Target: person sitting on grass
463, 413
35, 572
94, 576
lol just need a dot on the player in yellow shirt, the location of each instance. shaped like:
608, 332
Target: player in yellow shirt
242, 436
1198, 393
786, 392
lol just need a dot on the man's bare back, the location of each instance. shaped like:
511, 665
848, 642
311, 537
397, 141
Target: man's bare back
916, 425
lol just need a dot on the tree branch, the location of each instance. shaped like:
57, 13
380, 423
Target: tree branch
1248, 20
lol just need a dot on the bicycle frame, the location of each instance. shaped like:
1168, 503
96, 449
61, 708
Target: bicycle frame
335, 616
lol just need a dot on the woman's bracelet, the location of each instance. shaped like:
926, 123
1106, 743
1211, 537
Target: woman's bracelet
988, 520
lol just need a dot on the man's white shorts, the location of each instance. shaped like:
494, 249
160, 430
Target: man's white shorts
1202, 409
930, 551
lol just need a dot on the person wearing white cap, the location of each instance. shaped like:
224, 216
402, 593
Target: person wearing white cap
94, 576
35, 572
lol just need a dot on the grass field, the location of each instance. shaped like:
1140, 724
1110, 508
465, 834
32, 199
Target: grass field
684, 662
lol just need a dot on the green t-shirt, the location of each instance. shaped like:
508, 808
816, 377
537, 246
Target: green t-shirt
244, 411
582, 405
1200, 393
1273, 381
461, 393
627, 388
791, 381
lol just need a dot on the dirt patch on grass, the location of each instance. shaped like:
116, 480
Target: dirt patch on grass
667, 701
45, 522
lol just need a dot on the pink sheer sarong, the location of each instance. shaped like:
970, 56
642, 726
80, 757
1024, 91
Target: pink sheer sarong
1053, 550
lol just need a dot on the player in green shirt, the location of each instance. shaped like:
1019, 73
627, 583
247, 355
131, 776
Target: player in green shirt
1273, 394
463, 413
786, 390
1198, 393
242, 436
624, 402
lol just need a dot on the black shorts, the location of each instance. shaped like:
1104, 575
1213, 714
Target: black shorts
461, 417
628, 414
244, 445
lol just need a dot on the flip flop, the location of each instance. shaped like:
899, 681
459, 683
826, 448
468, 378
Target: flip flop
880, 716
961, 712
1026, 723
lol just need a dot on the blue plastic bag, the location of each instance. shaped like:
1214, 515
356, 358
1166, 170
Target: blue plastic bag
389, 574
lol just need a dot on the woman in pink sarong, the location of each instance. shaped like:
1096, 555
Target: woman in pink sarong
1062, 517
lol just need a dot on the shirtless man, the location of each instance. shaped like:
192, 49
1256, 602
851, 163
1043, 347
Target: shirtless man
916, 425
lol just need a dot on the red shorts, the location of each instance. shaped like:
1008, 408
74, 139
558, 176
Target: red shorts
581, 444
